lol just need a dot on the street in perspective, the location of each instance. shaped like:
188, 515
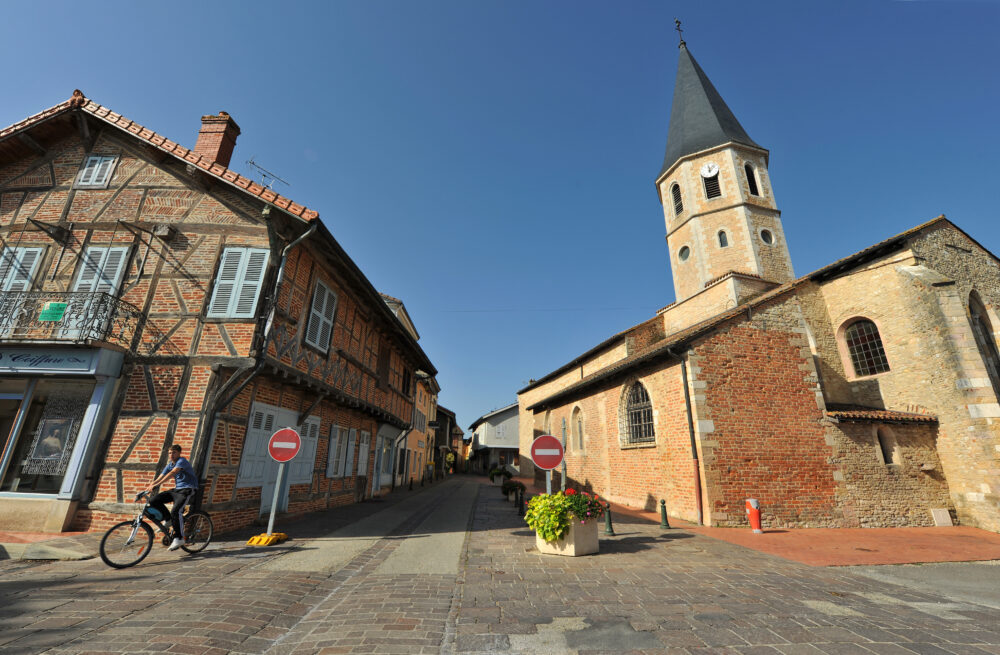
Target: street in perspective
261, 266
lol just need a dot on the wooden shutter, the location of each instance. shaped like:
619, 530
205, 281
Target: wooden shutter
329, 311
333, 454
88, 172
320, 325
112, 269
90, 270
103, 171
96, 171
226, 281
254, 460
349, 455
363, 447
302, 466
17, 268
250, 281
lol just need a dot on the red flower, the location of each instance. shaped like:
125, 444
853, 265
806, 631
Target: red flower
570, 492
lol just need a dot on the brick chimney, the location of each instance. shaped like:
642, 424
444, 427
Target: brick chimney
217, 138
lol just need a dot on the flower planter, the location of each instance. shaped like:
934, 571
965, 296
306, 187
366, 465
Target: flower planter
578, 540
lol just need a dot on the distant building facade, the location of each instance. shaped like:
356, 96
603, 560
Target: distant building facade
495, 440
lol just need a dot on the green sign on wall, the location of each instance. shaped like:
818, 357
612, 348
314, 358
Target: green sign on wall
52, 311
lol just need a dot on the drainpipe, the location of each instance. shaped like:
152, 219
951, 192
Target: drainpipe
694, 447
216, 406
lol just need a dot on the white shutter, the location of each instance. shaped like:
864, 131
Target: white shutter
89, 170
250, 282
364, 446
112, 269
332, 454
225, 281
17, 268
89, 273
103, 171
96, 171
349, 455
254, 460
304, 463
321, 314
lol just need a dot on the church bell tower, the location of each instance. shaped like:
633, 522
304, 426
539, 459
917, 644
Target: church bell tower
716, 193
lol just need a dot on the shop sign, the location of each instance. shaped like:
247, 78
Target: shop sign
52, 311
40, 359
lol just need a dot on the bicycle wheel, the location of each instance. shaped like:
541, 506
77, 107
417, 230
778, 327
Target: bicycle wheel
125, 545
198, 531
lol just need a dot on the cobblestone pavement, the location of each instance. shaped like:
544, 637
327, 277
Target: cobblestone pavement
417, 581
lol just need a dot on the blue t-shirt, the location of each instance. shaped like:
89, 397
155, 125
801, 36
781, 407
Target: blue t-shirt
185, 477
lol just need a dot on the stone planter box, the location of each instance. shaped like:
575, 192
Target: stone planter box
578, 540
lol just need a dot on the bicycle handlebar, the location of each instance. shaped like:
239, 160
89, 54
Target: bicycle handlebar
140, 495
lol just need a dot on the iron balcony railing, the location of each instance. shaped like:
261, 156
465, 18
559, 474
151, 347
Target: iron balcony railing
69, 317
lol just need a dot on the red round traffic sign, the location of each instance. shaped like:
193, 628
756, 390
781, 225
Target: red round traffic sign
546, 452
284, 445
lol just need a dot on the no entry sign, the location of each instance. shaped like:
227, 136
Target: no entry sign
546, 452
284, 445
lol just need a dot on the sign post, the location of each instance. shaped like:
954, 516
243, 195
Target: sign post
283, 447
547, 453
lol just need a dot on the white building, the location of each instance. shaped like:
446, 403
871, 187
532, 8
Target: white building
495, 440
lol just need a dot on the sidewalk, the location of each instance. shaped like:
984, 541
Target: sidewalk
843, 546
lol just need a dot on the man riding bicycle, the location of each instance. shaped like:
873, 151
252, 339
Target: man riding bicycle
185, 485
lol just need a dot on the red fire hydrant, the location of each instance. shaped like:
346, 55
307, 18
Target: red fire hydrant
753, 513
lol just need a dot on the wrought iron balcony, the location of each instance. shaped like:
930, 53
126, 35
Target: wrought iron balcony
68, 317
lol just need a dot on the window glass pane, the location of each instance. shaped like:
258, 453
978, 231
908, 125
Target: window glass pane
47, 437
865, 347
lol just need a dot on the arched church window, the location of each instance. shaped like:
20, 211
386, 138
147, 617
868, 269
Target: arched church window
865, 347
675, 192
684, 253
751, 179
638, 416
723, 239
712, 189
577, 429
982, 329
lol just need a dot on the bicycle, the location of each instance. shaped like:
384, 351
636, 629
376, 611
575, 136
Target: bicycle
127, 543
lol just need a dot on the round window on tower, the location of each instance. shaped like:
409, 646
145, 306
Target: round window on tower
684, 253
766, 237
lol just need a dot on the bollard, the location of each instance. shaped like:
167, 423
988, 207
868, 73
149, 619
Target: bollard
753, 513
608, 530
411, 484
520, 502
663, 515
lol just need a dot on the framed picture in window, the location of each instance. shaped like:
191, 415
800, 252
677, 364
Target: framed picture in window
53, 438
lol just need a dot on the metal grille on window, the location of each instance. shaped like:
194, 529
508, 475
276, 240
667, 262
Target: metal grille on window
866, 350
712, 189
675, 191
638, 416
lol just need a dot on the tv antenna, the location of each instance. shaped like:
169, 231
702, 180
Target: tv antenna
267, 178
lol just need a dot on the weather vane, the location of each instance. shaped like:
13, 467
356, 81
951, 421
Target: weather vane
677, 22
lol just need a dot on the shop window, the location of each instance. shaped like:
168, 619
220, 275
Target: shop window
319, 329
238, 283
38, 450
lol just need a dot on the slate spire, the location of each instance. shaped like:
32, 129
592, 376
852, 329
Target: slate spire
699, 117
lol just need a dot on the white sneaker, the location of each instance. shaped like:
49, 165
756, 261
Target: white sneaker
177, 543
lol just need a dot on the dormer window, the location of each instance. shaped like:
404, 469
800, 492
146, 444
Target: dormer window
675, 192
751, 179
723, 239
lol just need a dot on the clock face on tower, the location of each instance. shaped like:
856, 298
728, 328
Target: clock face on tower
711, 169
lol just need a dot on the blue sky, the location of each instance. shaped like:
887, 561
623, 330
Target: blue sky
491, 163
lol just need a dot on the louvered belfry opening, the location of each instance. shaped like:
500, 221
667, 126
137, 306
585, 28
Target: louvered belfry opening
751, 179
675, 191
712, 189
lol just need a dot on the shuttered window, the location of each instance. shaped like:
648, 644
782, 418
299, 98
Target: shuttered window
96, 172
238, 282
675, 191
335, 455
302, 466
17, 268
101, 270
712, 189
348, 468
319, 328
255, 459
364, 445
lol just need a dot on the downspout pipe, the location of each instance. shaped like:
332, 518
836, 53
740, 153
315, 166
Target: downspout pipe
694, 446
217, 405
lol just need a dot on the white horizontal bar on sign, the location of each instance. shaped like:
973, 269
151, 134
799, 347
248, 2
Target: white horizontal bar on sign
547, 451
284, 444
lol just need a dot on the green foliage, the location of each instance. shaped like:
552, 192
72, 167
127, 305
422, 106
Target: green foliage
495, 471
549, 515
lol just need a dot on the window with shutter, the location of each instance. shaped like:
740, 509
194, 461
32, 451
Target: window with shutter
96, 172
363, 446
254, 459
17, 268
333, 454
238, 282
101, 270
349, 454
319, 328
302, 466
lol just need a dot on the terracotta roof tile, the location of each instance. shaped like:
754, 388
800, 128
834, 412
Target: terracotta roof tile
857, 413
37, 118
